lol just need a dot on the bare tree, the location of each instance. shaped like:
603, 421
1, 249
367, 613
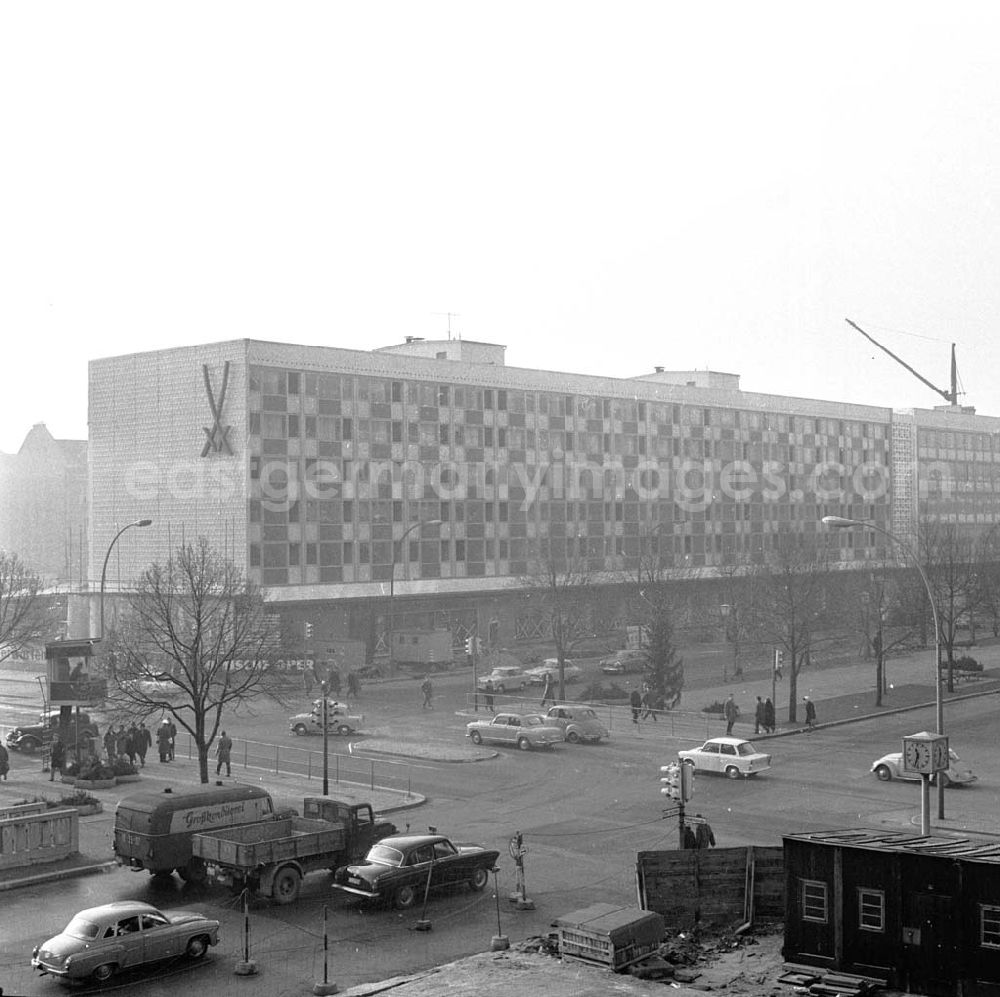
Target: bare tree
21, 613
194, 642
790, 590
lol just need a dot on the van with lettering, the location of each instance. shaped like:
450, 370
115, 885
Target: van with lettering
153, 831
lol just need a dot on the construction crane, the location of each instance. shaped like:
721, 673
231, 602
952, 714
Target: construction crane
951, 397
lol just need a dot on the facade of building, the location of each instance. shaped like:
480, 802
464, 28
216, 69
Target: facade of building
432, 469
43, 506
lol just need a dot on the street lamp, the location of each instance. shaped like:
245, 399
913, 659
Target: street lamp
840, 523
731, 622
392, 577
104, 569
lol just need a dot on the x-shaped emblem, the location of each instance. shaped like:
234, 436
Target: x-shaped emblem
217, 438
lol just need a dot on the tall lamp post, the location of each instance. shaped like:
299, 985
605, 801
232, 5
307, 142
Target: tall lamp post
840, 523
104, 569
392, 578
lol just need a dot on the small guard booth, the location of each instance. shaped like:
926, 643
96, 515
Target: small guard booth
920, 912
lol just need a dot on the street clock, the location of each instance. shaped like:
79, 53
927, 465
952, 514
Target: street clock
925, 753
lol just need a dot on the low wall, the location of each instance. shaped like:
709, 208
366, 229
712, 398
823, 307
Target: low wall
29, 837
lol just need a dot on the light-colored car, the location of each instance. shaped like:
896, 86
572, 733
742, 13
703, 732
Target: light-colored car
522, 730
729, 756
578, 723
100, 941
504, 678
890, 766
339, 719
625, 661
571, 672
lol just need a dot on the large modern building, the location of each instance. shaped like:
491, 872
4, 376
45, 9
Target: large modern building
433, 469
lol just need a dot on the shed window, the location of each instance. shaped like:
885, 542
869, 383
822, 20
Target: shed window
871, 909
814, 904
989, 927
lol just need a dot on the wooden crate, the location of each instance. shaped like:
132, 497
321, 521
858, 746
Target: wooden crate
609, 935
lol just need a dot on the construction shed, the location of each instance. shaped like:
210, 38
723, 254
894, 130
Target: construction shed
921, 912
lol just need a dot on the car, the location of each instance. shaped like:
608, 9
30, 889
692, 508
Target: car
578, 723
102, 941
536, 676
399, 869
729, 756
504, 677
625, 661
525, 730
29, 738
339, 720
890, 766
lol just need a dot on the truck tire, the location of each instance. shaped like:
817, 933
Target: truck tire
301, 730
193, 872
287, 884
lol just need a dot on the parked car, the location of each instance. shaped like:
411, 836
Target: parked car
729, 756
578, 723
101, 941
397, 869
525, 730
625, 661
504, 678
890, 766
571, 672
30, 737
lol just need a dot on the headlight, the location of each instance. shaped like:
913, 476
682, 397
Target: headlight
34, 952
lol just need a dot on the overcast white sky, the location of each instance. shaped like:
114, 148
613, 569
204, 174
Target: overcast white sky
600, 186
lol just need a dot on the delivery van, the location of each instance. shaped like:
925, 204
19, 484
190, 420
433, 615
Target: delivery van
153, 831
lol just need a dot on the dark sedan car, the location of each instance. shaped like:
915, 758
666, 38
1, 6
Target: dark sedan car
100, 941
396, 869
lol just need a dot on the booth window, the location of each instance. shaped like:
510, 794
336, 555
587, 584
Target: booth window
814, 901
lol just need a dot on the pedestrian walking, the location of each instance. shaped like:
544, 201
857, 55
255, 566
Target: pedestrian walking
132, 743
810, 714
172, 728
163, 740
428, 690
704, 836
548, 695
57, 758
353, 685
690, 839
768, 715
307, 680
4, 763
109, 742
731, 711
488, 694
758, 716
333, 683
224, 753
635, 702
143, 742
649, 704
121, 742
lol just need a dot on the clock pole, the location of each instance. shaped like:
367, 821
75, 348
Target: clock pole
925, 803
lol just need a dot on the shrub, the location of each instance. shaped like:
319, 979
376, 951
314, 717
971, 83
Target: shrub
78, 798
93, 770
715, 707
50, 804
122, 766
598, 693
968, 664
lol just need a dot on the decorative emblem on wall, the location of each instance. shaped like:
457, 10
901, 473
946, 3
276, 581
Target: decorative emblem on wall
218, 436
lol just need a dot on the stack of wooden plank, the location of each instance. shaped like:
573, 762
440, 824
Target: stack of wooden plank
809, 980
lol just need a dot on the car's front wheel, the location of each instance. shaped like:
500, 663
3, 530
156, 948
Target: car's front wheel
883, 773
406, 897
301, 730
732, 772
500, 687
103, 973
28, 745
343, 730
477, 738
524, 744
480, 877
197, 946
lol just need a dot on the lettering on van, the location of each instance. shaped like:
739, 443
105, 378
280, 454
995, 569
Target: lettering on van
197, 819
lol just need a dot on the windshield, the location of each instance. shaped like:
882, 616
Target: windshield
80, 927
385, 855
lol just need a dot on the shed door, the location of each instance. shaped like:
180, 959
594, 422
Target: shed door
929, 943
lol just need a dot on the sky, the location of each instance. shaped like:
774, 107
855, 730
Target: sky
601, 187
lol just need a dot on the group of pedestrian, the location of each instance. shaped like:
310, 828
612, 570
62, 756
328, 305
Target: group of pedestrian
701, 836
763, 716
130, 742
333, 683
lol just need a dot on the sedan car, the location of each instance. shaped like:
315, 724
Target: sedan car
578, 723
398, 869
729, 756
525, 730
504, 677
622, 662
891, 767
100, 941
536, 676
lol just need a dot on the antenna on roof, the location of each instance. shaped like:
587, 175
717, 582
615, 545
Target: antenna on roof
450, 315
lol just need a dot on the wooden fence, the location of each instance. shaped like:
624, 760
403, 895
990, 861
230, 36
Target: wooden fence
31, 837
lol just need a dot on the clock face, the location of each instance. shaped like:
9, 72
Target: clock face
941, 759
917, 756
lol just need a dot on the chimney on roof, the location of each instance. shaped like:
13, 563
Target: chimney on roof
658, 370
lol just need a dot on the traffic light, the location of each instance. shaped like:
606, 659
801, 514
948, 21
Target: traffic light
671, 779
687, 781
308, 628
470, 645
779, 659
479, 645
